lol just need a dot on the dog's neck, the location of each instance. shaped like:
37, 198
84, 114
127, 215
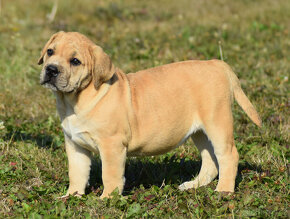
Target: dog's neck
81, 102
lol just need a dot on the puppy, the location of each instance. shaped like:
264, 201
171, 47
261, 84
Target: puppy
150, 112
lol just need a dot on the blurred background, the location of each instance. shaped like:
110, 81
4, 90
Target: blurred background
252, 36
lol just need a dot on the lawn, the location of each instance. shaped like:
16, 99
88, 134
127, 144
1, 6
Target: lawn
253, 37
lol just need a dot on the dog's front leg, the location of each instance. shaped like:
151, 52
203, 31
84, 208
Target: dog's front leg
113, 156
79, 161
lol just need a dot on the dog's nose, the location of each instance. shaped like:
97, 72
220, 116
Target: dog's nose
51, 71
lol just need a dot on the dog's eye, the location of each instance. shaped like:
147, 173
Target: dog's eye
75, 62
49, 52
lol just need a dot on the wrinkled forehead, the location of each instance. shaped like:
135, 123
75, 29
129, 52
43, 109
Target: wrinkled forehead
70, 44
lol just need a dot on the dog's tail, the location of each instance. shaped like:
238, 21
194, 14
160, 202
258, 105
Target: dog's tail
241, 97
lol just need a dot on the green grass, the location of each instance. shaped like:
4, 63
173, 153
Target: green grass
140, 34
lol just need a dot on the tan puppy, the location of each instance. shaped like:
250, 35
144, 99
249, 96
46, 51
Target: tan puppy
150, 112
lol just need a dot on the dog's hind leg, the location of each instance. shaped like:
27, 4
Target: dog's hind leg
220, 132
209, 166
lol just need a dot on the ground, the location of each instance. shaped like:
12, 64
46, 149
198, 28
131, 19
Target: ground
251, 36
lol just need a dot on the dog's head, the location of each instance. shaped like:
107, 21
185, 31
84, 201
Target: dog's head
71, 61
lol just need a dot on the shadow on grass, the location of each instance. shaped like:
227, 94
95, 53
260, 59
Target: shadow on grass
147, 173
42, 140
246, 167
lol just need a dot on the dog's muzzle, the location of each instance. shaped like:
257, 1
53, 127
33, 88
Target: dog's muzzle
51, 72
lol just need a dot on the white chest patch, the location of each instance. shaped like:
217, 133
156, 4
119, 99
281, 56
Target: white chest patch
195, 127
76, 131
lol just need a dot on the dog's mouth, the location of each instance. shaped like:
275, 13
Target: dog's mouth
57, 83
49, 84
50, 81
50, 74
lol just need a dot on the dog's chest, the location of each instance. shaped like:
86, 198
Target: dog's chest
76, 129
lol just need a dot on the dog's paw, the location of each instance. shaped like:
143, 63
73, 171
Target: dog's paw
188, 185
64, 197
106, 195
75, 194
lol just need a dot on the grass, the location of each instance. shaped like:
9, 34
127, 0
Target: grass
254, 36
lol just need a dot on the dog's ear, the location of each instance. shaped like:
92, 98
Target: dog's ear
52, 38
102, 68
